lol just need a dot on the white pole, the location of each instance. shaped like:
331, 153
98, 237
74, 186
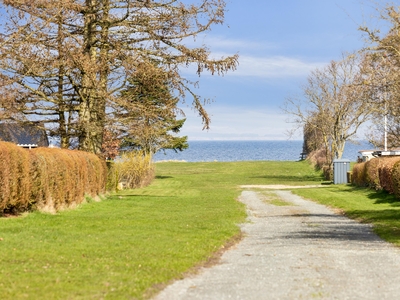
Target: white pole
385, 132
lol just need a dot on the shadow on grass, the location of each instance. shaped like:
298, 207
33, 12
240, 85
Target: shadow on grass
386, 222
379, 197
163, 177
126, 196
384, 197
378, 215
285, 178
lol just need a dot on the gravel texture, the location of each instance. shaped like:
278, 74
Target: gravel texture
299, 251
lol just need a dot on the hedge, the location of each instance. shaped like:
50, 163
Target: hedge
386, 173
48, 179
381, 173
358, 176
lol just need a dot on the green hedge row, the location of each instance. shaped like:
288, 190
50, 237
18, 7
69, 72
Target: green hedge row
48, 179
381, 173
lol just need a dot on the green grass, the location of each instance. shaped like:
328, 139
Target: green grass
125, 246
130, 244
271, 198
365, 205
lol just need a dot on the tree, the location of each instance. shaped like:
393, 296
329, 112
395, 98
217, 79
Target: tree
384, 79
334, 104
66, 61
313, 134
148, 119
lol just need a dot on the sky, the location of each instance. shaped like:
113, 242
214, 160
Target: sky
279, 43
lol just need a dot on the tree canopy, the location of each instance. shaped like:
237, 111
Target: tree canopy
66, 63
334, 105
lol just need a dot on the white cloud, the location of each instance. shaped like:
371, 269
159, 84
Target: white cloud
274, 67
236, 45
232, 46
255, 58
235, 123
268, 67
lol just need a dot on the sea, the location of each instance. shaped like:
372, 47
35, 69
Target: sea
224, 151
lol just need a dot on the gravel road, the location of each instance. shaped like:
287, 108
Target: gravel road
302, 250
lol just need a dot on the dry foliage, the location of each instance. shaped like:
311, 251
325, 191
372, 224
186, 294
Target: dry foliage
386, 173
318, 158
358, 177
333, 105
379, 173
133, 169
319, 161
372, 173
396, 179
48, 179
66, 62
384, 76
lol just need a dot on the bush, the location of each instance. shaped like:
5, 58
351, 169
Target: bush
379, 173
358, 177
48, 179
133, 169
15, 182
318, 159
396, 179
372, 173
386, 173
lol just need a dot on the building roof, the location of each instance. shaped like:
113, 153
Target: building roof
23, 134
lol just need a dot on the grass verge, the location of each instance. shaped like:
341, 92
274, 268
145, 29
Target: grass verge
365, 205
124, 247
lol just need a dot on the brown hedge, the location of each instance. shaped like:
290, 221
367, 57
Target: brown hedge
48, 179
372, 173
396, 179
386, 173
358, 177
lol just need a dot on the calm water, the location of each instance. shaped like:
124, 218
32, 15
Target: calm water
248, 150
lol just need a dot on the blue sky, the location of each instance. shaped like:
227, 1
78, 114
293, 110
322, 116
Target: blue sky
279, 43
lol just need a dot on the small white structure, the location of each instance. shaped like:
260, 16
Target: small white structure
366, 155
395, 152
28, 146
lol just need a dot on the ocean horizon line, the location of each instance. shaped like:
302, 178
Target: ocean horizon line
245, 150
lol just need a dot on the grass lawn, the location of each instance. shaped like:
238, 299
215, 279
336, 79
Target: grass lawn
129, 244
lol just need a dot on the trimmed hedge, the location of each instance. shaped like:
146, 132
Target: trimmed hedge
381, 173
372, 173
396, 178
386, 173
48, 179
358, 175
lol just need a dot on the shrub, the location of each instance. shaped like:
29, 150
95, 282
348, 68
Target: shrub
372, 173
15, 183
133, 169
396, 179
358, 176
386, 172
49, 179
318, 159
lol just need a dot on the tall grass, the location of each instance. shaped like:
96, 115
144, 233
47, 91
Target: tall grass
133, 169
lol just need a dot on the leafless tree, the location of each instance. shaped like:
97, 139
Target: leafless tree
334, 104
65, 62
384, 78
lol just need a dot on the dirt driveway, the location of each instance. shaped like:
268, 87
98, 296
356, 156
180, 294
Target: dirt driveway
297, 249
